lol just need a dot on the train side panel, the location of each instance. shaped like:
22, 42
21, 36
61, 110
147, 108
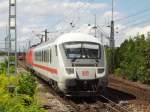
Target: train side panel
48, 68
29, 58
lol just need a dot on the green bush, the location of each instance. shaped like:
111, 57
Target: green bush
132, 59
3, 68
4, 65
27, 85
118, 72
19, 100
17, 104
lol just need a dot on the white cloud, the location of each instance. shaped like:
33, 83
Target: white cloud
120, 26
3, 7
134, 31
36, 13
108, 14
126, 33
3, 24
47, 7
146, 30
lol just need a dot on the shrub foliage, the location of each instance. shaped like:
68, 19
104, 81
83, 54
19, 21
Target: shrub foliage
132, 59
22, 99
27, 85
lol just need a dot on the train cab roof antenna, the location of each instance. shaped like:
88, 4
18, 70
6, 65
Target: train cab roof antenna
72, 25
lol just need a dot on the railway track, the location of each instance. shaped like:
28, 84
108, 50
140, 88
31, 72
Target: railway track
114, 107
96, 104
21, 64
139, 90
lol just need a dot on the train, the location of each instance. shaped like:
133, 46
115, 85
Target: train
21, 56
73, 64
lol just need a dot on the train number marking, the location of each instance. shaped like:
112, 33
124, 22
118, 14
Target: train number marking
85, 73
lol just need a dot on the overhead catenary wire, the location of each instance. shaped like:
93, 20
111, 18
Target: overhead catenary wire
136, 24
64, 19
75, 15
136, 21
133, 15
103, 32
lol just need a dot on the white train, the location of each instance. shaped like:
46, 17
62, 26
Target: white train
74, 64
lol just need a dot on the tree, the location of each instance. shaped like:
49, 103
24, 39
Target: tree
132, 59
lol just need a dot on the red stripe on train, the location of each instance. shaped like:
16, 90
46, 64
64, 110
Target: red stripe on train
49, 69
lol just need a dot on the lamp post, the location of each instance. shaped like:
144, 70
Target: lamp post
112, 41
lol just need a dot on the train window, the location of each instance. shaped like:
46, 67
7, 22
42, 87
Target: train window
44, 60
46, 56
37, 56
82, 50
42, 56
50, 56
56, 50
90, 51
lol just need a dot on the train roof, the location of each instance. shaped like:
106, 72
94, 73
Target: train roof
70, 37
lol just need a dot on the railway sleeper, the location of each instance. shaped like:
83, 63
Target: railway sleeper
116, 108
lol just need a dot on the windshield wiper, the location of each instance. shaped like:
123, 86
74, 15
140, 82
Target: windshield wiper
74, 59
97, 60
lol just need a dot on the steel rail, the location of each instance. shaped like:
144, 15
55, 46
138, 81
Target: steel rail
114, 106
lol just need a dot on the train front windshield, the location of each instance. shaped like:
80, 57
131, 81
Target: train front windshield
82, 50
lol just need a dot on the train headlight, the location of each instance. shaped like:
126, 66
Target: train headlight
70, 70
100, 70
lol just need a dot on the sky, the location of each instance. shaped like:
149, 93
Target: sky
33, 16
